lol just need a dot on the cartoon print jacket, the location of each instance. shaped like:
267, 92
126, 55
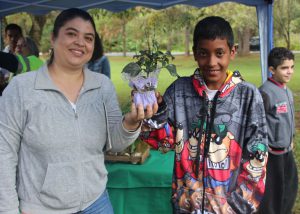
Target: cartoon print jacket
220, 145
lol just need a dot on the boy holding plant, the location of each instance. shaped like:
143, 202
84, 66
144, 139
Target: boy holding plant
221, 141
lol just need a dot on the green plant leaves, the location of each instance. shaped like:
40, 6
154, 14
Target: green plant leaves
133, 69
149, 60
172, 70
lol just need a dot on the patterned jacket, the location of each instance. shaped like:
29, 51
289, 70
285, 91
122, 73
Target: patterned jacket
220, 145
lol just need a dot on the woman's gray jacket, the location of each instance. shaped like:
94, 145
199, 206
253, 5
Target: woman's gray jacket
51, 155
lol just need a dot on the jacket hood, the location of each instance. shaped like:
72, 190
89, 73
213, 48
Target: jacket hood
233, 78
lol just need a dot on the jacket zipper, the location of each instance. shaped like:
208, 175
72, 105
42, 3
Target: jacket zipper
210, 116
292, 117
81, 172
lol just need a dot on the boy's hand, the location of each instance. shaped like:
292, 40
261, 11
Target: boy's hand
158, 97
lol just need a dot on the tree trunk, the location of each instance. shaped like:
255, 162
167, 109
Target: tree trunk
187, 40
36, 30
124, 37
288, 42
170, 41
244, 37
3, 25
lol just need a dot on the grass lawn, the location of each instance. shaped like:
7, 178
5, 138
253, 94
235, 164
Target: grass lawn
248, 66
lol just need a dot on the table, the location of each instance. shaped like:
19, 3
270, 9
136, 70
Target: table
144, 188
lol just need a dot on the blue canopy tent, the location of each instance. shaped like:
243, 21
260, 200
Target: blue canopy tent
39, 7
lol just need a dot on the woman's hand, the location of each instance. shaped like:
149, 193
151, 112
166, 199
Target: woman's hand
133, 119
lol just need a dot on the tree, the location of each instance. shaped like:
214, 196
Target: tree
185, 16
45, 44
285, 11
122, 18
3, 24
125, 17
239, 16
174, 25
37, 26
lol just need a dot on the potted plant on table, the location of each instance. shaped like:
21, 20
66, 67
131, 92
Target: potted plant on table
142, 75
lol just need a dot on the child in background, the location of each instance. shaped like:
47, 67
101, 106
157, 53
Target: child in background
221, 140
282, 176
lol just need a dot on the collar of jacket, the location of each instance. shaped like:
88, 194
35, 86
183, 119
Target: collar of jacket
280, 85
44, 82
233, 78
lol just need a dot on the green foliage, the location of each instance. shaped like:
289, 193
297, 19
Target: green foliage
286, 14
150, 60
47, 31
169, 24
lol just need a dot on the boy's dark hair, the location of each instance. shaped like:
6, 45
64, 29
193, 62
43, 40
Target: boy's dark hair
211, 28
13, 27
278, 55
68, 15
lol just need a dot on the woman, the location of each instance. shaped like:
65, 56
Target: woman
55, 125
27, 47
27, 53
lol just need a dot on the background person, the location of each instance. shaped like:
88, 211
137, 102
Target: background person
28, 54
100, 65
12, 34
56, 123
25, 59
282, 175
27, 47
220, 144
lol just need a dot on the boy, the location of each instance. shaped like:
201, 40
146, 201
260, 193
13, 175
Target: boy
221, 145
282, 179
12, 34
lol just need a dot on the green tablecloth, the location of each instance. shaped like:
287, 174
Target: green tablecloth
144, 188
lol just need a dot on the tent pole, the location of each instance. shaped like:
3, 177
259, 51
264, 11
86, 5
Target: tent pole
270, 32
1, 39
265, 26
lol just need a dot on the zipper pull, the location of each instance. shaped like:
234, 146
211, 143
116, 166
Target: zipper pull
75, 111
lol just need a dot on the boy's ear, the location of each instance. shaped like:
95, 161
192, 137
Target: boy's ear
233, 51
272, 69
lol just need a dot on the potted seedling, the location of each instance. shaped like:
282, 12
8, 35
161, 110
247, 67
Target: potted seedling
142, 75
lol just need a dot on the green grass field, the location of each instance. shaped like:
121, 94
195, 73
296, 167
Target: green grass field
248, 66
